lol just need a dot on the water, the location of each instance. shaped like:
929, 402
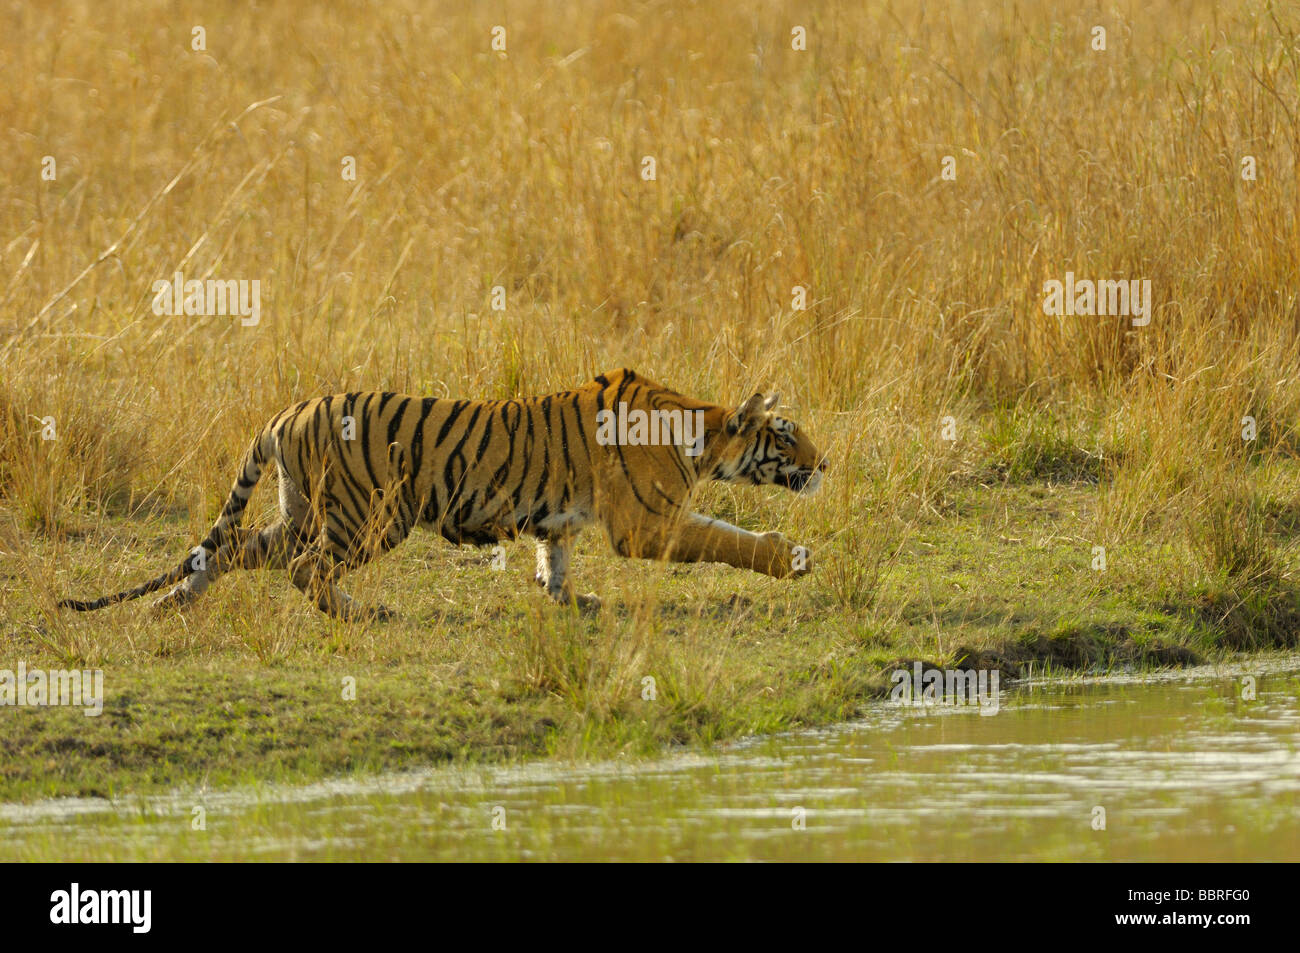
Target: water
1183, 767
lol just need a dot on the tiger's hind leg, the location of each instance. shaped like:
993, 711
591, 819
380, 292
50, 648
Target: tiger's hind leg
205, 569
345, 544
270, 548
316, 573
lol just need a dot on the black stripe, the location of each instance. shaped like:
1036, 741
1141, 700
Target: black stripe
456, 409
417, 440
364, 437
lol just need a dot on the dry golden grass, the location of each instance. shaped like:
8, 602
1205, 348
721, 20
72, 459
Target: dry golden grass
776, 168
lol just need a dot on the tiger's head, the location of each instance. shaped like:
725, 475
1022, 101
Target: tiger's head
759, 446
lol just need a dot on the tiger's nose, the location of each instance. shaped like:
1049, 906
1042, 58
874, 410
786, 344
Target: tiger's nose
822, 466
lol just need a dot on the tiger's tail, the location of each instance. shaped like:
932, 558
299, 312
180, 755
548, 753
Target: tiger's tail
222, 531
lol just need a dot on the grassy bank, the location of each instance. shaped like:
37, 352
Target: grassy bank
250, 684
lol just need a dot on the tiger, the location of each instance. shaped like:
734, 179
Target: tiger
358, 471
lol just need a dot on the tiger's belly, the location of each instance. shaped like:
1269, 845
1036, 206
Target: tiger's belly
481, 522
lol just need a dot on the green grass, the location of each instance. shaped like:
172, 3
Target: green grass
249, 684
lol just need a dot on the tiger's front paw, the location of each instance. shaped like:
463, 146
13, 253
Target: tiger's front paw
801, 561
565, 596
787, 558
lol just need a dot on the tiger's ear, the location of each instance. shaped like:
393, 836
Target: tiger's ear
745, 418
